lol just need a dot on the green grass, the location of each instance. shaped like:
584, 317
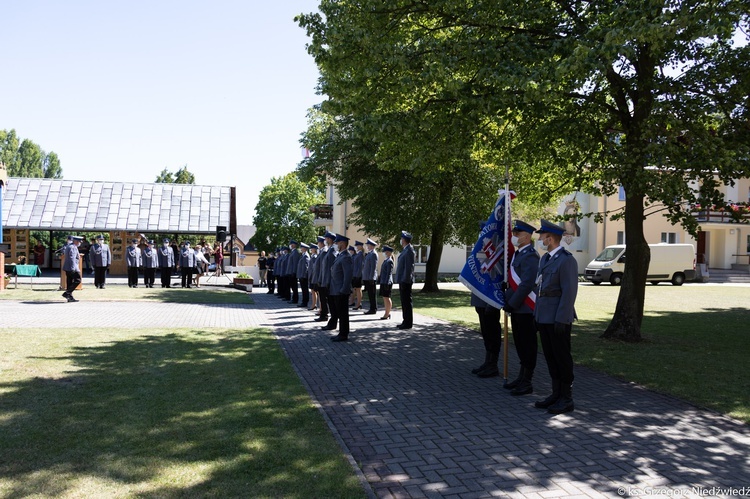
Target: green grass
695, 343
120, 292
160, 413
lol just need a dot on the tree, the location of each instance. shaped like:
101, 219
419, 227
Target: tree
182, 176
27, 159
650, 96
283, 212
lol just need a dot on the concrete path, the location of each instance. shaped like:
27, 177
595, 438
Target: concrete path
418, 424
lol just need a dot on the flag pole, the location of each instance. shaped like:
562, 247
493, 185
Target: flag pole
506, 221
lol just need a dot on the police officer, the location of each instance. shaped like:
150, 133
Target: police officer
71, 267
311, 276
166, 263
303, 265
322, 248
281, 287
520, 301
133, 261
405, 279
557, 287
326, 261
270, 276
340, 289
150, 264
357, 266
101, 259
292, 271
370, 275
187, 263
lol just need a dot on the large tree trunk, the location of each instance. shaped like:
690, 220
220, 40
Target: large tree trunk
626, 322
433, 262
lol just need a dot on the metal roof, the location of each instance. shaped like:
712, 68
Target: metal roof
50, 204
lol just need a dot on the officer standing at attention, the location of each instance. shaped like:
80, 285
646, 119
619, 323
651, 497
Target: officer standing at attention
133, 261
187, 263
166, 263
405, 279
322, 248
523, 267
326, 260
370, 275
71, 267
150, 264
303, 265
294, 256
281, 287
357, 265
311, 276
557, 285
101, 259
270, 276
340, 289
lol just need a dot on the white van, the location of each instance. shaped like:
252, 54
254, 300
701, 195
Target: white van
673, 263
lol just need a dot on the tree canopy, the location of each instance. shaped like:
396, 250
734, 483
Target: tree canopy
182, 176
584, 96
25, 158
283, 212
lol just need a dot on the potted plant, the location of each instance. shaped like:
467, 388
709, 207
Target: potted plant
243, 280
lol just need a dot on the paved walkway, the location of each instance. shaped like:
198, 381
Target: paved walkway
417, 424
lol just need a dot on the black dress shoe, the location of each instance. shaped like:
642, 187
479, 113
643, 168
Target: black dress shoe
404, 326
65, 295
71, 299
327, 328
339, 338
321, 319
371, 312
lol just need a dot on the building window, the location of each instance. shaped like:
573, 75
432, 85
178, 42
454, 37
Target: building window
422, 253
670, 237
620, 237
621, 194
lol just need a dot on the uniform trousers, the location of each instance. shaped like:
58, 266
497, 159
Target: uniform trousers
334, 310
100, 276
73, 279
370, 288
323, 294
489, 326
305, 291
132, 276
407, 306
556, 348
166, 277
149, 274
271, 280
187, 276
524, 337
293, 287
341, 305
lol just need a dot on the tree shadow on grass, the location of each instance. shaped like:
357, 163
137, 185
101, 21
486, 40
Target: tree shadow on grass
204, 414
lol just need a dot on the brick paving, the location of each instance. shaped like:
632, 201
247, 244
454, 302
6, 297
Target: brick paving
417, 424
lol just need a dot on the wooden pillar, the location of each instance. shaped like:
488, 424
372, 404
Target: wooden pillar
64, 276
2, 266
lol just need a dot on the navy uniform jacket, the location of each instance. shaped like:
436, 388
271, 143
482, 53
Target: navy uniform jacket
292, 262
302, 265
100, 255
526, 265
370, 267
187, 258
71, 258
279, 269
150, 258
357, 261
311, 268
341, 274
166, 257
317, 275
557, 289
133, 256
405, 269
325, 266
386, 271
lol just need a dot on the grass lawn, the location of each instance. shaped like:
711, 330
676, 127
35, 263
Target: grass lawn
160, 413
120, 292
695, 344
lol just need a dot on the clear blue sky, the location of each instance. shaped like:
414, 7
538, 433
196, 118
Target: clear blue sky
122, 90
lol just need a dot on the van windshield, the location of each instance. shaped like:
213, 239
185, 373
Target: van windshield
608, 255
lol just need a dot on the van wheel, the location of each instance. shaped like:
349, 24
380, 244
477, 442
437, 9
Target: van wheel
678, 279
615, 279
655, 283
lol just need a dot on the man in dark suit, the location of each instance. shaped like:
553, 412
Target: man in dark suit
557, 287
71, 267
340, 289
405, 279
520, 302
302, 270
370, 275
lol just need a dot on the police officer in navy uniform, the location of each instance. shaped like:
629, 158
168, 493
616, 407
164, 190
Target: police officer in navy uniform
270, 275
166, 263
292, 271
150, 264
71, 267
101, 259
340, 289
405, 279
557, 287
281, 287
303, 265
358, 262
370, 275
133, 261
187, 264
524, 268
326, 261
